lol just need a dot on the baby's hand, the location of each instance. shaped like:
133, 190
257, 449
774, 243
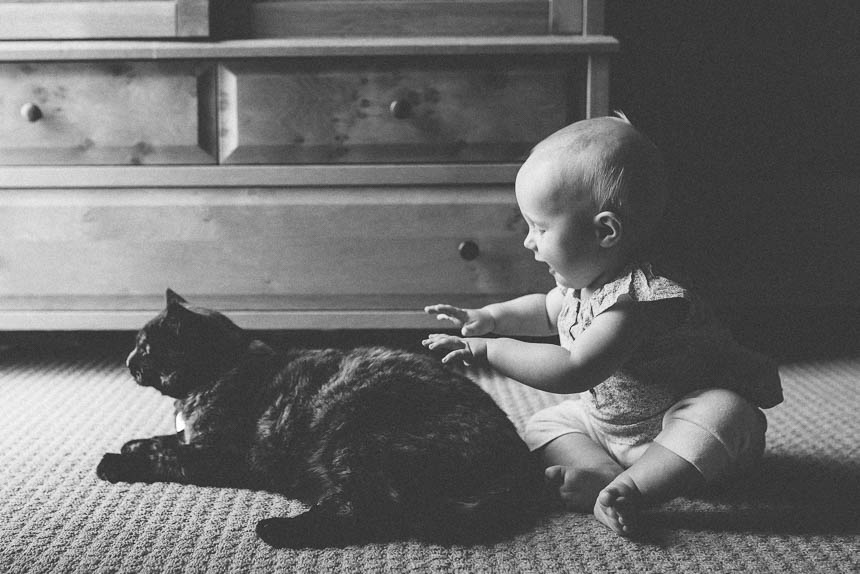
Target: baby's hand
472, 322
469, 351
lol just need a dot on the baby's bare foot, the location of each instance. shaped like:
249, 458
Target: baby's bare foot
617, 505
577, 487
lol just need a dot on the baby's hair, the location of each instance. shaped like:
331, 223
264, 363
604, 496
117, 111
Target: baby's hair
621, 116
622, 170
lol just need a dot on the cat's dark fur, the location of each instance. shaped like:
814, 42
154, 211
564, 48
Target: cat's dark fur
380, 443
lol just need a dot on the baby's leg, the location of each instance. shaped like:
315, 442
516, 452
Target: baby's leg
706, 436
659, 474
579, 468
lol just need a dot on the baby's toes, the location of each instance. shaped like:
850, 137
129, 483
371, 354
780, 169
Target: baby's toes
607, 516
616, 508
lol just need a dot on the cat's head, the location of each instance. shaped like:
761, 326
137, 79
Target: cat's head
185, 348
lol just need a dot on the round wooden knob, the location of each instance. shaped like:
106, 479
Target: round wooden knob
469, 250
31, 112
400, 109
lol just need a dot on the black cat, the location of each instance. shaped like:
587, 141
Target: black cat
381, 443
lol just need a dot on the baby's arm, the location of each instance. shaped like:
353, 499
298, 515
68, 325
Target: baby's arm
532, 315
598, 352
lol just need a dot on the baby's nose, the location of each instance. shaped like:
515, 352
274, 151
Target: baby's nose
529, 243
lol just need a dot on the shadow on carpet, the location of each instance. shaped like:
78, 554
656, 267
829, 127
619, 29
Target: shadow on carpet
789, 495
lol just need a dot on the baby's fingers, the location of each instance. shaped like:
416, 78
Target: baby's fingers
447, 313
442, 341
462, 355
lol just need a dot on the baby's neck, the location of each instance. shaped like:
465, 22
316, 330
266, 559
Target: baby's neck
610, 273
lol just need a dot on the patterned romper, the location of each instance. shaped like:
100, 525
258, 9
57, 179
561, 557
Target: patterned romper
660, 392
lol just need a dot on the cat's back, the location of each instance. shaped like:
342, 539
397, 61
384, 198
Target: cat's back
376, 379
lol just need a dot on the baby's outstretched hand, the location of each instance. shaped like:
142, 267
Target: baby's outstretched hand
472, 322
469, 351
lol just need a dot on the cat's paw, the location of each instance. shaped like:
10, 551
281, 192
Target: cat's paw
277, 532
308, 530
142, 445
120, 468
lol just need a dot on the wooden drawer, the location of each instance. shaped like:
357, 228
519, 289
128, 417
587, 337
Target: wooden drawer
54, 19
121, 113
262, 249
297, 18
378, 110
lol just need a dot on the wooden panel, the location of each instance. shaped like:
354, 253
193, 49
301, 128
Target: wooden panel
35, 19
131, 314
559, 45
566, 16
192, 18
32, 177
452, 110
107, 113
263, 249
597, 86
292, 18
593, 16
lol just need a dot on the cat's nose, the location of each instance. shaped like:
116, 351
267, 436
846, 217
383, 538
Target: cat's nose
130, 357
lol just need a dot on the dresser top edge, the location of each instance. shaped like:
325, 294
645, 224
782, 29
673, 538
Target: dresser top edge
13, 51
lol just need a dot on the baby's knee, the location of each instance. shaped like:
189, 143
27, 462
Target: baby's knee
726, 402
728, 430
718, 409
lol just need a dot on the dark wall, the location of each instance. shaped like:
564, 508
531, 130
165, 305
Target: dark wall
756, 106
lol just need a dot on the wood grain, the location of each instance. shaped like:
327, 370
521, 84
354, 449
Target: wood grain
307, 250
308, 47
107, 113
398, 18
456, 110
22, 19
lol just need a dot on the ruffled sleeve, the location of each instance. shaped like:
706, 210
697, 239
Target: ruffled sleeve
636, 283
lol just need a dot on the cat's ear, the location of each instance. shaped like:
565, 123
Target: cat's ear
176, 306
173, 299
257, 347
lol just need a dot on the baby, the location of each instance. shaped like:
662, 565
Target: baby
668, 401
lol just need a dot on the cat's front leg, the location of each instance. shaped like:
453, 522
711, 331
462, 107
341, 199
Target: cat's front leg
187, 464
143, 460
140, 467
152, 445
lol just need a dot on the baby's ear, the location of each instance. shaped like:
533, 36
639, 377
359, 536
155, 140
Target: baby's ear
608, 228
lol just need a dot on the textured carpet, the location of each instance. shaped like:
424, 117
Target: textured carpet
64, 405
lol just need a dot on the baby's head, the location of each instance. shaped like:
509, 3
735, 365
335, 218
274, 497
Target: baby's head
606, 176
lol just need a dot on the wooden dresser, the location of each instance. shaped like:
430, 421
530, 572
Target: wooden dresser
293, 182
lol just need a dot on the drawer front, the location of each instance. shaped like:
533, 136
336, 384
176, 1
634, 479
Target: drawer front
301, 18
54, 19
273, 249
378, 111
120, 113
